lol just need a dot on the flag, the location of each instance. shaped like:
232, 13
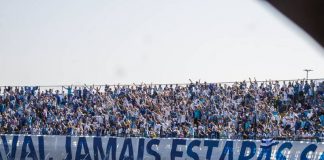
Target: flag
267, 143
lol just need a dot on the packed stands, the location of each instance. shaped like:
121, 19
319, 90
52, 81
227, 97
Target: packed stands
240, 110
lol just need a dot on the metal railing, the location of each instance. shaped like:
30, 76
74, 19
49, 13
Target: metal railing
61, 87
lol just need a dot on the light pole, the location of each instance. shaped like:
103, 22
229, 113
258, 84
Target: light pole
307, 70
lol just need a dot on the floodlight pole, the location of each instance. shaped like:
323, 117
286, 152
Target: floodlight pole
307, 70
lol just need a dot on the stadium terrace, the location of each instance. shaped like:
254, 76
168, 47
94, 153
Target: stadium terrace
240, 110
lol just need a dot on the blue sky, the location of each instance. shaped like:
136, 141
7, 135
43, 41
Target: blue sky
125, 41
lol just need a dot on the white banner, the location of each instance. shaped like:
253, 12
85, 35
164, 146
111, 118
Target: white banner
99, 148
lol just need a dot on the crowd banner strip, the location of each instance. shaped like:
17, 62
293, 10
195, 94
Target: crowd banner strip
104, 148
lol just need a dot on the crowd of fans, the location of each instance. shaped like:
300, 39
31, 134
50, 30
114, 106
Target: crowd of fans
242, 110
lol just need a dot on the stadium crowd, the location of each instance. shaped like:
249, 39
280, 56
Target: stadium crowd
242, 110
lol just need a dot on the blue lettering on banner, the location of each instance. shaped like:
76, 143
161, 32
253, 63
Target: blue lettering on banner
111, 146
28, 142
140, 152
227, 148
210, 144
279, 155
41, 148
245, 145
174, 152
68, 150
266, 150
97, 146
310, 148
98, 149
152, 152
127, 145
82, 144
190, 152
10, 155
